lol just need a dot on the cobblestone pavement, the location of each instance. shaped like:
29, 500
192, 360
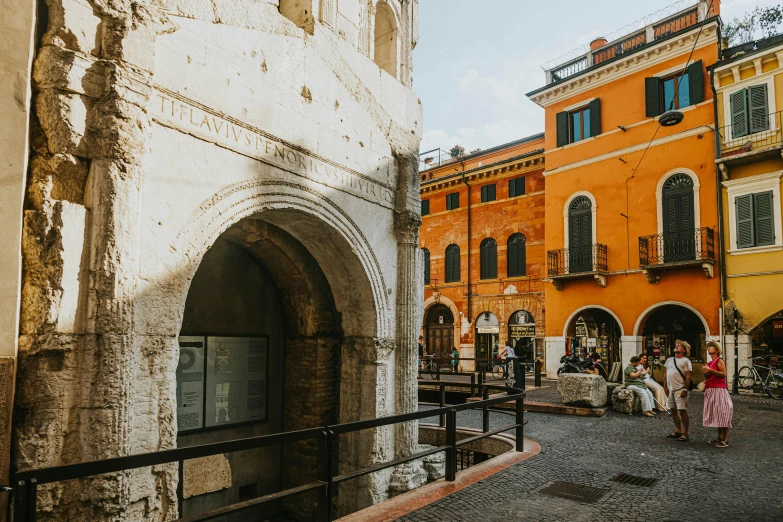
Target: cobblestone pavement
696, 482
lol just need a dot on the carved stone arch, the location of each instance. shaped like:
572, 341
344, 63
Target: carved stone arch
387, 28
348, 262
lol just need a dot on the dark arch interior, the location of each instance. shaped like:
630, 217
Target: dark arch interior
595, 330
664, 325
259, 282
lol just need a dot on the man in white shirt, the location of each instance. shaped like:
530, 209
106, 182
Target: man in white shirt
676, 385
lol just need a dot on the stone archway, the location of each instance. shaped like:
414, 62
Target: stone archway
595, 329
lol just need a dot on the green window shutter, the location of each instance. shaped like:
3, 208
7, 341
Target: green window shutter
452, 264
511, 188
757, 108
696, 81
492, 192
739, 114
652, 92
425, 207
595, 117
744, 214
426, 266
561, 120
484, 194
765, 221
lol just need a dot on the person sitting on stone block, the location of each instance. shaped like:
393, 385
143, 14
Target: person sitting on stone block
598, 367
635, 382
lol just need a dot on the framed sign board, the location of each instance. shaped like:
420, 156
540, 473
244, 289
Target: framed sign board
221, 381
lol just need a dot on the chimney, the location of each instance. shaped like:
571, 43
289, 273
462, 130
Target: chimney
597, 43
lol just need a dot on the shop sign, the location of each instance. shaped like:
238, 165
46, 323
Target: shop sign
488, 330
525, 330
777, 328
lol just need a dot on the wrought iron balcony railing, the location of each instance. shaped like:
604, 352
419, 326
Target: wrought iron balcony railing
666, 249
570, 261
754, 133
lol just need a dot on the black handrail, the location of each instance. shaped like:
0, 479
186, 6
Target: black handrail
25, 483
569, 261
667, 248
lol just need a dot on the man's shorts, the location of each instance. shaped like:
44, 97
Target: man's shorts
675, 402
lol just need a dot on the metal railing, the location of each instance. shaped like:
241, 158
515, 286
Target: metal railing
757, 132
569, 69
659, 249
434, 158
25, 484
567, 261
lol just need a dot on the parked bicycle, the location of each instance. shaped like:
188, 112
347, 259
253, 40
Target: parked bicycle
772, 384
499, 367
430, 366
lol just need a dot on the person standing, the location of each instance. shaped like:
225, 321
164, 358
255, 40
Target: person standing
454, 360
718, 408
634, 382
421, 350
676, 386
655, 388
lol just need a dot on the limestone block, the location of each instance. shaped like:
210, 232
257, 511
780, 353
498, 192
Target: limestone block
434, 465
74, 24
63, 118
206, 475
58, 68
582, 389
625, 401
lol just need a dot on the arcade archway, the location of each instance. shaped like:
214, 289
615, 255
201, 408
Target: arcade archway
595, 330
439, 338
666, 324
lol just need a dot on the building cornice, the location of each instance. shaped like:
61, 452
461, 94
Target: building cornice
626, 65
628, 150
509, 165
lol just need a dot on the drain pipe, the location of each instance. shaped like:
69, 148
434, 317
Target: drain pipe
470, 319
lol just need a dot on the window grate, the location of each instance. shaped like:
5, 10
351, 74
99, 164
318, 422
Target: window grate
633, 480
575, 492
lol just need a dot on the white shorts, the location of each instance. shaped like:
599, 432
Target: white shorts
675, 402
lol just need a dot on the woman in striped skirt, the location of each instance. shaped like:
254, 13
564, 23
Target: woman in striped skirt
718, 409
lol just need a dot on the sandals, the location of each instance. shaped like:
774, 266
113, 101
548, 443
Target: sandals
722, 444
713, 441
684, 438
675, 435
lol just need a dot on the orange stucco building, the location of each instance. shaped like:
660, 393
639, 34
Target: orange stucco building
631, 204
482, 237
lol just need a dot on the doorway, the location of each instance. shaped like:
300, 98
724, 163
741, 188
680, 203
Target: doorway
580, 235
440, 334
679, 237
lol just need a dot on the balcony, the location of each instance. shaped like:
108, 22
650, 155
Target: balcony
577, 263
758, 139
650, 29
671, 251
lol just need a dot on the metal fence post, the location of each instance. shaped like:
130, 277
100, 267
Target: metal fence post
181, 488
451, 442
20, 502
537, 370
325, 475
472, 384
442, 403
520, 420
485, 411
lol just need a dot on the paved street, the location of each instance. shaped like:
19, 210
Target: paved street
695, 480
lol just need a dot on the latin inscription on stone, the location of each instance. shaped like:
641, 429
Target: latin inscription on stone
186, 116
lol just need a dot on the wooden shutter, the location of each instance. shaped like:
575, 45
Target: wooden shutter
426, 266
561, 120
492, 192
425, 207
595, 117
739, 114
696, 81
744, 213
764, 218
516, 256
512, 188
652, 95
757, 107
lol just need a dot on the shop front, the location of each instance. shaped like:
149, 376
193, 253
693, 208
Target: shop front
439, 339
522, 334
663, 328
595, 331
487, 332
767, 339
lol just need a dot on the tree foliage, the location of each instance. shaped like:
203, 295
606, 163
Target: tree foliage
762, 22
457, 151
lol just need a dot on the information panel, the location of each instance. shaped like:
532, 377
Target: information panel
236, 380
190, 383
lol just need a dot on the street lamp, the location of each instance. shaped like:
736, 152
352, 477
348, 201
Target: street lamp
671, 118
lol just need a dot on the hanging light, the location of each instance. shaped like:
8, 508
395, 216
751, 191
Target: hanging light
671, 118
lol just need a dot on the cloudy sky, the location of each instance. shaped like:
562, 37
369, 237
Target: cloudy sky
475, 60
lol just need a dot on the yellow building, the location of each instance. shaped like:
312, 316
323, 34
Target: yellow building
748, 83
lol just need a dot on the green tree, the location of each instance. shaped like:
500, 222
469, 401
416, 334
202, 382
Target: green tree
762, 22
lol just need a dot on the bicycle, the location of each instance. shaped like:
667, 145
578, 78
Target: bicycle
499, 367
429, 366
772, 384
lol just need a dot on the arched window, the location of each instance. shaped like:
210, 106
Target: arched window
385, 38
679, 238
489, 258
426, 255
517, 258
580, 235
452, 264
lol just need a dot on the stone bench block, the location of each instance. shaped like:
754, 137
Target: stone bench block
625, 401
582, 389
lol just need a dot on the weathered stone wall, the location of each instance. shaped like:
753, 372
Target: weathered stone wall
155, 130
